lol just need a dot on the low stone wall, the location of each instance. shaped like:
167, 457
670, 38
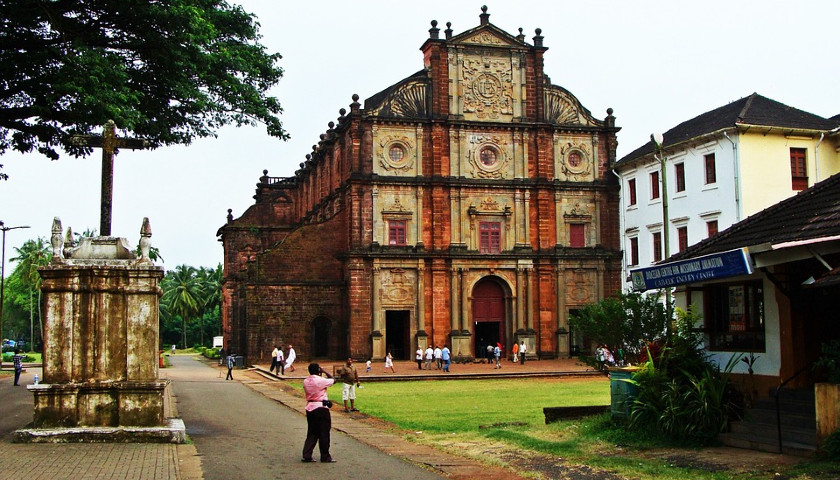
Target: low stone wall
554, 414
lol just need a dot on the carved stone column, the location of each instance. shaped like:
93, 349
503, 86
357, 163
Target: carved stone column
529, 285
454, 309
562, 314
518, 212
378, 345
374, 194
419, 216
558, 218
465, 301
520, 296
527, 220
422, 337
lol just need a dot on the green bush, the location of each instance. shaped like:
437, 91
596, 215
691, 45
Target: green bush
7, 357
681, 392
831, 446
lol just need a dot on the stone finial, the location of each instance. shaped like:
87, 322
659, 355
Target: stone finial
448, 30
538, 38
434, 32
69, 242
484, 17
56, 240
354, 107
331, 125
230, 215
521, 36
610, 120
145, 240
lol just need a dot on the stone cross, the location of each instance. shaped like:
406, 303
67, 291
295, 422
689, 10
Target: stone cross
109, 143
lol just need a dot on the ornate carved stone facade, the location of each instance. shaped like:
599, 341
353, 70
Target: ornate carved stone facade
470, 203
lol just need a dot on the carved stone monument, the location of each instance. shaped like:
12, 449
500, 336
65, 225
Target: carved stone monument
100, 379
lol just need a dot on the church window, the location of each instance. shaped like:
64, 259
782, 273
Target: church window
577, 232
488, 156
682, 238
490, 234
396, 153
396, 232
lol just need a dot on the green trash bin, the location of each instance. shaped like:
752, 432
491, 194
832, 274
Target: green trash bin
622, 393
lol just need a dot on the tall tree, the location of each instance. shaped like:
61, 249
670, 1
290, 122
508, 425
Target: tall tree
168, 71
31, 255
183, 295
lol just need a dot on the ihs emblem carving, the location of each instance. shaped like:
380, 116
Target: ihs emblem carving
488, 91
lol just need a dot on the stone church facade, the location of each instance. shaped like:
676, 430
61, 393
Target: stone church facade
470, 203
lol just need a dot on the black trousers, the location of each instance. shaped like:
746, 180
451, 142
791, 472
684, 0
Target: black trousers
318, 424
230, 374
17, 375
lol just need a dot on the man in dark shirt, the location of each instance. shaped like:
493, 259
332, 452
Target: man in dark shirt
350, 379
18, 361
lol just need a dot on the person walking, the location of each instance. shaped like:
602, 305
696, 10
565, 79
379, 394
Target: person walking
515, 351
497, 355
418, 357
273, 360
438, 358
446, 355
522, 349
429, 355
318, 420
489, 353
350, 380
281, 361
17, 360
389, 363
290, 358
231, 361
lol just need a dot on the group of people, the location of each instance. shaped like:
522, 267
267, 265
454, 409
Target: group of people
442, 357
281, 361
605, 358
496, 352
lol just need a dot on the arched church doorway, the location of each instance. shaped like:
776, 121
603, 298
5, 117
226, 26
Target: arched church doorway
488, 313
321, 329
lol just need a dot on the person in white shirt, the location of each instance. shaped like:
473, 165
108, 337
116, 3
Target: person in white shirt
418, 356
290, 358
281, 362
430, 354
438, 358
522, 349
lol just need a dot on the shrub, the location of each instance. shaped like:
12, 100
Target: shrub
829, 361
681, 393
831, 446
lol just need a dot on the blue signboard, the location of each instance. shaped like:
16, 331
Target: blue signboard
698, 269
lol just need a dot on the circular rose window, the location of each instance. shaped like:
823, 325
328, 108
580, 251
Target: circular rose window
488, 157
396, 154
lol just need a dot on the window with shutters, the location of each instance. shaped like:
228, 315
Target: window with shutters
798, 171
490, 236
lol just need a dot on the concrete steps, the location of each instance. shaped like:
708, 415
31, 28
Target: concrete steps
758, 429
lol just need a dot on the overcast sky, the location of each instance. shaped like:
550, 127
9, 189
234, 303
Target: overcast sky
655, 63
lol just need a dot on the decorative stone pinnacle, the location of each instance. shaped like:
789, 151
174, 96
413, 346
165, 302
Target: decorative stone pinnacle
55, 240
145, 240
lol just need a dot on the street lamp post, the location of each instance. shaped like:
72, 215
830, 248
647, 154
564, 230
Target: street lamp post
4, 229
658, 139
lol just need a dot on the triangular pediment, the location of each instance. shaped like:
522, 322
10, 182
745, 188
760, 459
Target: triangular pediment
488, 35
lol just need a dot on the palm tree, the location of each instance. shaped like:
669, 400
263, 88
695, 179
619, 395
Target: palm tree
31, 255
182, 295
211, 280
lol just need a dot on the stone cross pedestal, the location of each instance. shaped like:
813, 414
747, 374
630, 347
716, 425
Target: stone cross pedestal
100, 355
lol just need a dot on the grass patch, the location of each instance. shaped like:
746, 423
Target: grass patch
501, 422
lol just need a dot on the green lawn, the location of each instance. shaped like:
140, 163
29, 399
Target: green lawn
496, 420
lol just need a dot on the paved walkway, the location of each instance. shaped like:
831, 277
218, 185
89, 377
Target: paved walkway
238, 434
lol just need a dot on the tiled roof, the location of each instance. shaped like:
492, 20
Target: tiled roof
752, 110
811, 214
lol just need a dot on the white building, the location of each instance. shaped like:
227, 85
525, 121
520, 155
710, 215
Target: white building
720, 167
